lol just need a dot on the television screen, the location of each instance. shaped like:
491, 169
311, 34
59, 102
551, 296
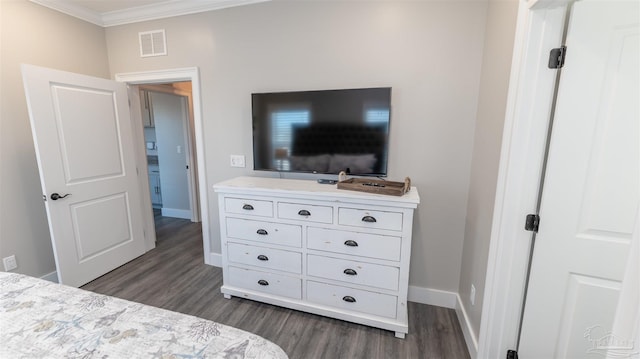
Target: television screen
322, 131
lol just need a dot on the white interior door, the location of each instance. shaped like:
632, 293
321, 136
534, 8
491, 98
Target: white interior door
85, 149
592, 189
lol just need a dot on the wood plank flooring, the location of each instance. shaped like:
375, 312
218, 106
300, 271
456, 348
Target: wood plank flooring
173, 276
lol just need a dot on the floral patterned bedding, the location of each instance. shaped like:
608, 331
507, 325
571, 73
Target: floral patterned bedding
40, 319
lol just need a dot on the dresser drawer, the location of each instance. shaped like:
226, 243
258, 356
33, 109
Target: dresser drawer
271, 283
249, 206
305, 212
370, 219
373, 275
354, 243
265, 232
383, 305
265, 257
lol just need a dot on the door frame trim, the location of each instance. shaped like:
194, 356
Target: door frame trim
175, 75
540, 26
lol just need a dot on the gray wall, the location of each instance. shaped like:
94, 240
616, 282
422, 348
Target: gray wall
33, 34
496, 66
429, 52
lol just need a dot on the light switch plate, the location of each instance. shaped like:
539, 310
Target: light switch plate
237, 160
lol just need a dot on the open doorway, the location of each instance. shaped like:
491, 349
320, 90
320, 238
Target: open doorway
135, 79
167, 117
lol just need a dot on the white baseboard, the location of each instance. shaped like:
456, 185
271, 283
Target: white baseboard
465, 324
451, 300
215, 259
439, 298
176, 213
51, 277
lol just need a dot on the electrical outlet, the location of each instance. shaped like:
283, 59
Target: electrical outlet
237, 160
10, 263
472, 296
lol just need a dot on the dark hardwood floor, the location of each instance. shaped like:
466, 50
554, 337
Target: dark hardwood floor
173, 276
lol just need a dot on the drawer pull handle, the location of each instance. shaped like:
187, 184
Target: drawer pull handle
349, 299
263, 282
262, 257
369, 219
350, 271
304, 212
262, 232
248, 207
351, 243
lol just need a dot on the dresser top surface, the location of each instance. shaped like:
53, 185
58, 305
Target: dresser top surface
295, 187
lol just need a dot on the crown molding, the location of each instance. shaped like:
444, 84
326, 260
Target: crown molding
72, 10
161, 10
169, 9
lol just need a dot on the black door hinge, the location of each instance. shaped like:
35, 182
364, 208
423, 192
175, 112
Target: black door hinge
512, 354
557, 57
532, 222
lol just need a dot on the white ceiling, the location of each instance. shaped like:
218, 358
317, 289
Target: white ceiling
119, 12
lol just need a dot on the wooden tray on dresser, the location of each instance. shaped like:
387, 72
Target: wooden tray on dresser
376, 186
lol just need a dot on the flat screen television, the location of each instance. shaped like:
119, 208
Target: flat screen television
323, 132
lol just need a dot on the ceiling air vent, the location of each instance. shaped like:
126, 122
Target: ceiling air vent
152, 43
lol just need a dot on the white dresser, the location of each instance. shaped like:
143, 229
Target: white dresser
315, 248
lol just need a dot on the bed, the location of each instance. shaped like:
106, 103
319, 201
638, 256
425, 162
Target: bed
40, 319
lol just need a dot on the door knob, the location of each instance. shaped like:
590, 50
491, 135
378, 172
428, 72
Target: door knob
55, 196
